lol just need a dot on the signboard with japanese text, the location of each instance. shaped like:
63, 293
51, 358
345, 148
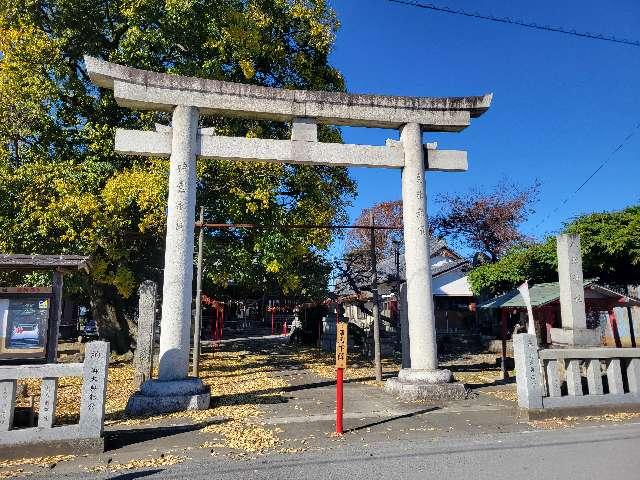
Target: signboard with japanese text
341, 345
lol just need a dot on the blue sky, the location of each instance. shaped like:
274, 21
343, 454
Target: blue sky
561, 103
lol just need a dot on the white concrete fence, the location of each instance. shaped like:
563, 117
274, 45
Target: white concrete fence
94, 374
541, 375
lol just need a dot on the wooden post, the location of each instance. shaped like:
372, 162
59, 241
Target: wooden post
56, 316
273, 326
503, 333
376, 307
197, 324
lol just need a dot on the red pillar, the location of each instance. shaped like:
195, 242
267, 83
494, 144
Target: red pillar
613, 321
213, 323
339, 398
221, 321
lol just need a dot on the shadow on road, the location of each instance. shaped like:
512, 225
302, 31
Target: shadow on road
133, 475
116, 439
392, 419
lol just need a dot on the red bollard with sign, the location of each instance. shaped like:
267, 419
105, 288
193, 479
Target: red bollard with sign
341, 364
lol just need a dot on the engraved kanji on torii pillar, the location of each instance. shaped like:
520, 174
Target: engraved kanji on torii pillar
189, 97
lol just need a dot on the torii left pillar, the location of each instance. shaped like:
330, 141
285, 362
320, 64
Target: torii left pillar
174, 390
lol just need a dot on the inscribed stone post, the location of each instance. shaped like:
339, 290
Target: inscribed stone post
571, 282
147, 294
47, 413
525, 352
574, 329
94, 389
7, 403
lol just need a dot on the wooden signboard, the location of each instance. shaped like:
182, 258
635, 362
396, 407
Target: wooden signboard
341, 345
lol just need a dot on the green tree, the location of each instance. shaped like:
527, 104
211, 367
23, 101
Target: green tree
610, 244
63, 189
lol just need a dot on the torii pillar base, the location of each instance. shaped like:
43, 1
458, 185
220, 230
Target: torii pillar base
429, 385
157, 397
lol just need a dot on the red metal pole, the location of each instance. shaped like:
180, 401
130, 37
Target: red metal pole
217, 322
221, 325
213, 327
339, 372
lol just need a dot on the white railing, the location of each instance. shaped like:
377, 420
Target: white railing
575, 377
94, 373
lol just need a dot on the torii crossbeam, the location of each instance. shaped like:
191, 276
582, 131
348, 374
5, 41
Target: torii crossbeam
188, 98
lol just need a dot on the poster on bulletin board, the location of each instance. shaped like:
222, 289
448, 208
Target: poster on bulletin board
24, 323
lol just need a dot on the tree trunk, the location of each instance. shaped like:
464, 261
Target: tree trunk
107, 308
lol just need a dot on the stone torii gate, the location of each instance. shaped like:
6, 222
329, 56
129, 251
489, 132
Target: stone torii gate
188, 98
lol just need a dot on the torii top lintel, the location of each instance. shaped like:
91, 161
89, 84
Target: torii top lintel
145, 90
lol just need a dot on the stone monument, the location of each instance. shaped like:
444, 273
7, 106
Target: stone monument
143, 359
188, 98
574, 331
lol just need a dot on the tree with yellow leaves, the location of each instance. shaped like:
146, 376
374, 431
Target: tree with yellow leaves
63, 189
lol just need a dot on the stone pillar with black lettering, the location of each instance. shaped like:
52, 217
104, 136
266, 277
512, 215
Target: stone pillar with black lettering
574, 331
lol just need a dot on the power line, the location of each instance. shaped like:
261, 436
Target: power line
593, 174
291, 227
521, 23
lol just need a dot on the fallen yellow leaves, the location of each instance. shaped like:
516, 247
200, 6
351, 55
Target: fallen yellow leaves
20, 472
161, 461
120, 386
566, 422
550, 423
36, 461
43, 462
478, 378
612, 417
509, 394
239, 382
323, 364
243, 436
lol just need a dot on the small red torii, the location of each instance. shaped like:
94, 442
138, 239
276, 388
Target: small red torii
217, 326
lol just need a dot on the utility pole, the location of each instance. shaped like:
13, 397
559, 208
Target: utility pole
198, 320
376, 303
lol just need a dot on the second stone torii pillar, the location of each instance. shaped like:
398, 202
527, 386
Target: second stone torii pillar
174, 390
423, 380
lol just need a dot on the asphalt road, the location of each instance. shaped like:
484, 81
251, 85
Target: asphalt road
602, 453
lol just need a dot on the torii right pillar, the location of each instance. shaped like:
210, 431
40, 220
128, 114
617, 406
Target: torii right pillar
423, 379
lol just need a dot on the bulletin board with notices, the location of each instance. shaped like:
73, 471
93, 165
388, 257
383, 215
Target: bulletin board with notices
25, 313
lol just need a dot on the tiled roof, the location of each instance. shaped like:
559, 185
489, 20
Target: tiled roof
544, 293
42, 262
